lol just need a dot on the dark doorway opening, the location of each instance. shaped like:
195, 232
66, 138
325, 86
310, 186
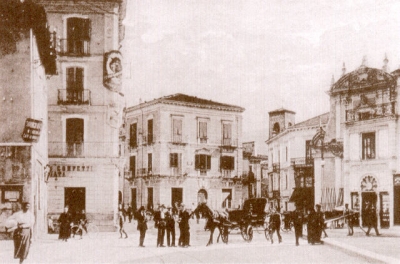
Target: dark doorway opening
134, 199
202, 196
176, 196
150, 202
367, 197
397, 205
75, 199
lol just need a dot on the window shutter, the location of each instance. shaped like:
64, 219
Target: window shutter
197, 162
70, 78
79, 79
208, 162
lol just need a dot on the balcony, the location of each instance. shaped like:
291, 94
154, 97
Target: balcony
226, 173
75, 47
83, 149
73, 97
371, 112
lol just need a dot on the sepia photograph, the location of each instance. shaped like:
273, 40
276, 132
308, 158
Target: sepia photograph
199, 131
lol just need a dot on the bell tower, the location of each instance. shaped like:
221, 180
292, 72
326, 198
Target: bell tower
280, 120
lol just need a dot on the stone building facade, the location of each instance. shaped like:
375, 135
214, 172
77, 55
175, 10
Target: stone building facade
183, 149
26, 60
85, 107
290, 159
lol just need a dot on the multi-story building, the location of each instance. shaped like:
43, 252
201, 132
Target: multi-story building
290, 159
183, 149
363, 125
254, 176
85, 108
26, 59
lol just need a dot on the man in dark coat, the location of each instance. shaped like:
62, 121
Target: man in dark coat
141, 224
348, 217
319, 224
298, 220
65, 220
275, 225
371, 219
161, 224
170, 227
184, 227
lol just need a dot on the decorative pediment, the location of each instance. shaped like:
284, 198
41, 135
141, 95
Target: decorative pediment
203, 151
369, 184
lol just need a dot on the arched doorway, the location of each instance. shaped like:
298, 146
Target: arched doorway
202, 196
369, 186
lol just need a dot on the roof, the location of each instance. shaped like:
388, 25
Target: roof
280, 110
192, 101
363, 78
315, 121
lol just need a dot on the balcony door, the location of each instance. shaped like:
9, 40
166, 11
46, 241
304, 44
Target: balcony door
75, 85
74, 136
78, 36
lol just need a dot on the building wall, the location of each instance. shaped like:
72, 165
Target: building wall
188, 178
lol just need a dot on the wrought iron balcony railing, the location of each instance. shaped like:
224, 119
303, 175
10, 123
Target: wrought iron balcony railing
371, 112
303, 161
83, 149
73, 97
75, 47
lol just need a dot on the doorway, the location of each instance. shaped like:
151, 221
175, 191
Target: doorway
367, 197
75, 199
176, 196
134, 199
397, 204
202, 196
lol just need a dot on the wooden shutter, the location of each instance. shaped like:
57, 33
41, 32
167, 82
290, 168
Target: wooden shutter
208, 162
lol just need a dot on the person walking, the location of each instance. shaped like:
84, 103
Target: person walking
130, 213
121, 222
298, 220
23, 232
185, 227
311, 225
371, 219
170, 227
348, 218
141, 224
65, 220
275, 225
319, 224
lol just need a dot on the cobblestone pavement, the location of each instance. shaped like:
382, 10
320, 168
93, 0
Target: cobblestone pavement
108, 248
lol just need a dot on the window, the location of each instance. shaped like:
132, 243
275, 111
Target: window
227, 163
308, 152
150, 131
226, 198
368, 145
132, 165
75, 86
227, 134
149, 163
203, 162
177, 130
173, 160
133, 135
203, 132
74, 136
78, 37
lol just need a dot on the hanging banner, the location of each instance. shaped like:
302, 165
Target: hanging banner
32, 130
113, 71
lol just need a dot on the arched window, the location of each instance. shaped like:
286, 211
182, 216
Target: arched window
276, 128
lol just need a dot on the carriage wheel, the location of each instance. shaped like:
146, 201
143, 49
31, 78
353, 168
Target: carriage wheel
225, 235
247, 233
266, 232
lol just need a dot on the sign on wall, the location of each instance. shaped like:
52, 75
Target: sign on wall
113, 71
32, 130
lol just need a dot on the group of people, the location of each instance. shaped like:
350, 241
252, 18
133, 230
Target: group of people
165, 219
67, 220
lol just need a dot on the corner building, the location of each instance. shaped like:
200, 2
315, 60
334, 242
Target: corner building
85, 108
184, 149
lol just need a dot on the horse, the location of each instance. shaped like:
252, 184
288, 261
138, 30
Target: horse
214, 220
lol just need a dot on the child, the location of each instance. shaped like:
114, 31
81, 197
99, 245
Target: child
121, 222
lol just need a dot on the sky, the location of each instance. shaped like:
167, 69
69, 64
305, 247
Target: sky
260, 55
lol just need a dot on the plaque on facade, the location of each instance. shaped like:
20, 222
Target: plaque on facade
32, 130
113, 71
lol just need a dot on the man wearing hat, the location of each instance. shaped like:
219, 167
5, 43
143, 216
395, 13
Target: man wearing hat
142, 224
319, 224
161, 224
170, 227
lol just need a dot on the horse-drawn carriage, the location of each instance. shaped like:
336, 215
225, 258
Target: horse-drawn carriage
245, 220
